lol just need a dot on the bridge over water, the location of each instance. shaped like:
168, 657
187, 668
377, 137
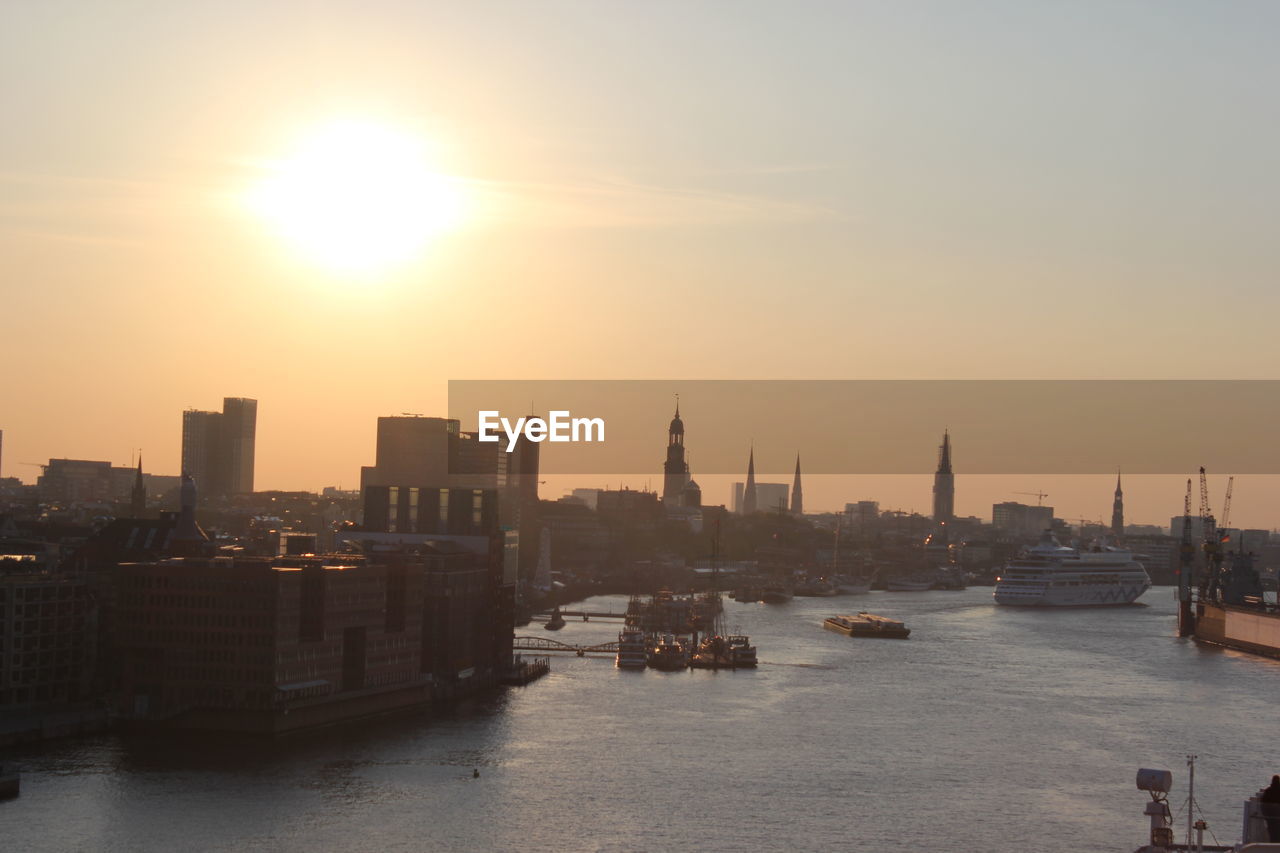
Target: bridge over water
547, 644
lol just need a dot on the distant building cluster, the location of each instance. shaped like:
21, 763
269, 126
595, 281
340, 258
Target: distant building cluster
196, 601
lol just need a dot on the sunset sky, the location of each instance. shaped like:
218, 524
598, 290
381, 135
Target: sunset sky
620, 190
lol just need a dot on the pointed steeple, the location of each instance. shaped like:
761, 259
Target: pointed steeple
797, 494
1117, 510
138, 499
944, 484
749, 490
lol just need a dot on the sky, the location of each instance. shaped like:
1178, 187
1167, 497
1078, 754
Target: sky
651, 190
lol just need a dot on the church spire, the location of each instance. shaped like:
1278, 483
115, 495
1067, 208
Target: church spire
797, 494
1117, 510
944, 484
675, 470
749, 490
138, 499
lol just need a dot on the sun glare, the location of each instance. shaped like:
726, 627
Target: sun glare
358, 197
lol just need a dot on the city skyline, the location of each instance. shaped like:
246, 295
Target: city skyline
1053, 215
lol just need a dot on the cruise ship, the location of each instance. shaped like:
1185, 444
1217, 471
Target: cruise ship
1053, 575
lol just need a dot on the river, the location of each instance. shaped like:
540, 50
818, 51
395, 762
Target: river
992, 728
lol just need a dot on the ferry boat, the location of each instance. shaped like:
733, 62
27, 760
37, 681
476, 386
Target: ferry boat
632, 653
867, 625
556, 622
668, 653
741, 652
1053, 575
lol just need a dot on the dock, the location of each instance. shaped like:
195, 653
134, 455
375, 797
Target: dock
524, 670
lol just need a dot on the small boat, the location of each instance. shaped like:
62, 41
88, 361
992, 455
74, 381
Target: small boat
867, 625
632, 653
741, 652
556, 622
668, 654
10, 781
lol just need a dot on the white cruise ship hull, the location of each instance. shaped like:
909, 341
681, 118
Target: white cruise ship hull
1066, 593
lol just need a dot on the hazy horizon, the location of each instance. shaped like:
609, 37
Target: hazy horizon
872, 190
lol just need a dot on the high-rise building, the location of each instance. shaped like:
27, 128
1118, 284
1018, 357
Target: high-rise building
944, 484
200, 432
239, 437
675, 470
218, 447
1117, 510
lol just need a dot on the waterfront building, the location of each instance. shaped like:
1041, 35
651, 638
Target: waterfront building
48, 640
944, 484
255, 644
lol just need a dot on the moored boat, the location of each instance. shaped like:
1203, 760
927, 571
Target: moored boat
865, 624
741, 652
632, 653
908, 585
668, 653
850, 585
712, 653
816, 587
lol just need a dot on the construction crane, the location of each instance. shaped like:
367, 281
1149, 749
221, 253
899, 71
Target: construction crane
1226, 503
1039, 496
1186, 555
1204, 494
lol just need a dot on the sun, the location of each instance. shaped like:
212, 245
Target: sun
358, 197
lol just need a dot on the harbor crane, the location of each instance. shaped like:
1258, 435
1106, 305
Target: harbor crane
1226, 502
1039, 496
1186, 555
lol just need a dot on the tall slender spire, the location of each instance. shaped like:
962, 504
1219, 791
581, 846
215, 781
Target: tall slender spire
797, 494
749, 490
944, 453
944, 484
1117, 510
138, 500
